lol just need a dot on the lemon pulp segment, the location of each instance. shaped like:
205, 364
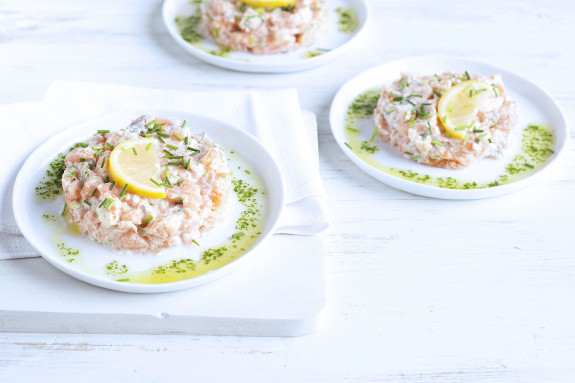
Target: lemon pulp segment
458, 106
268, 3
135, 162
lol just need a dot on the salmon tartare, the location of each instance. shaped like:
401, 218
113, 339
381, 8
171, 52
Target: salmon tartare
240, 27
407, 117
195, 180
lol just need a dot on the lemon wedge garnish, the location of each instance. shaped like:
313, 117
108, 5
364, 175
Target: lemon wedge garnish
136, 162
268, 3
457, 108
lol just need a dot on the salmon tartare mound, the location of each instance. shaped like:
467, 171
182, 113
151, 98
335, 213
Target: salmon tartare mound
240, 27
195, 176
407, 117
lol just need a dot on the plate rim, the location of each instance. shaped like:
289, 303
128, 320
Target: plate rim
241, 66
436, 191
19, 198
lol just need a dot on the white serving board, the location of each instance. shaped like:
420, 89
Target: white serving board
282, 294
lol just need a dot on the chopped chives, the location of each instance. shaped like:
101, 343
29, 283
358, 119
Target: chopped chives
148, 146
461, 128
466, 135
391, 110
151, 179
186, 140
188, 163
489, 139
113, 184
166, 172
178, 135
97, 147
103, 202
83, 160
93, 191
124, 190
166, 185
348, 145
134, 150
238, 235
103, 131
173, 157
429, 125
196, 151
352, 129
194, 241
482, 137
150, 123
65, 209
477, 131
107, 179
168, 180
408, 153
161, 140
415, 95
110, 203
87, 202
169, 153
99, 152
163, 134
109, 145
184, 124
397, 98
103, 162
373, 134
436, 93
529, 165
172, 147
174, 163
467, 75
436, 143
147, 220
411, 102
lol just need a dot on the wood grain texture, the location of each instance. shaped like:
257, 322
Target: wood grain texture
418, 290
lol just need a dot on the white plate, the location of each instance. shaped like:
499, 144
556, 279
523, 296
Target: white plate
535, 106
336, 42
28, 212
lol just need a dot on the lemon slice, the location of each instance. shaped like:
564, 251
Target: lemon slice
268, 3
135, 162
457, 108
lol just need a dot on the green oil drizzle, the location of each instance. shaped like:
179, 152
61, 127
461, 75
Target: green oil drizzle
51, 184
68, 253
314, 53
189, 27
537, 144
249, 227
347, 22
190, 30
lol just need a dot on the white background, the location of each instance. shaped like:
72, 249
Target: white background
418, 290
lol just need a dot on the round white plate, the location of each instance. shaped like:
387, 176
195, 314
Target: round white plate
535, 106
28, 211
332, 40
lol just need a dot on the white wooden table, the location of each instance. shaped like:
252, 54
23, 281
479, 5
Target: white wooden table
418, 289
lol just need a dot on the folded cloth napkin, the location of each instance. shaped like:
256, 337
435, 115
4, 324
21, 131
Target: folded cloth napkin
274, 117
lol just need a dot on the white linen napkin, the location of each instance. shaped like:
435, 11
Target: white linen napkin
274, 117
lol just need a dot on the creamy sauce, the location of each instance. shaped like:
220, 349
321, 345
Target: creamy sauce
537, 143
